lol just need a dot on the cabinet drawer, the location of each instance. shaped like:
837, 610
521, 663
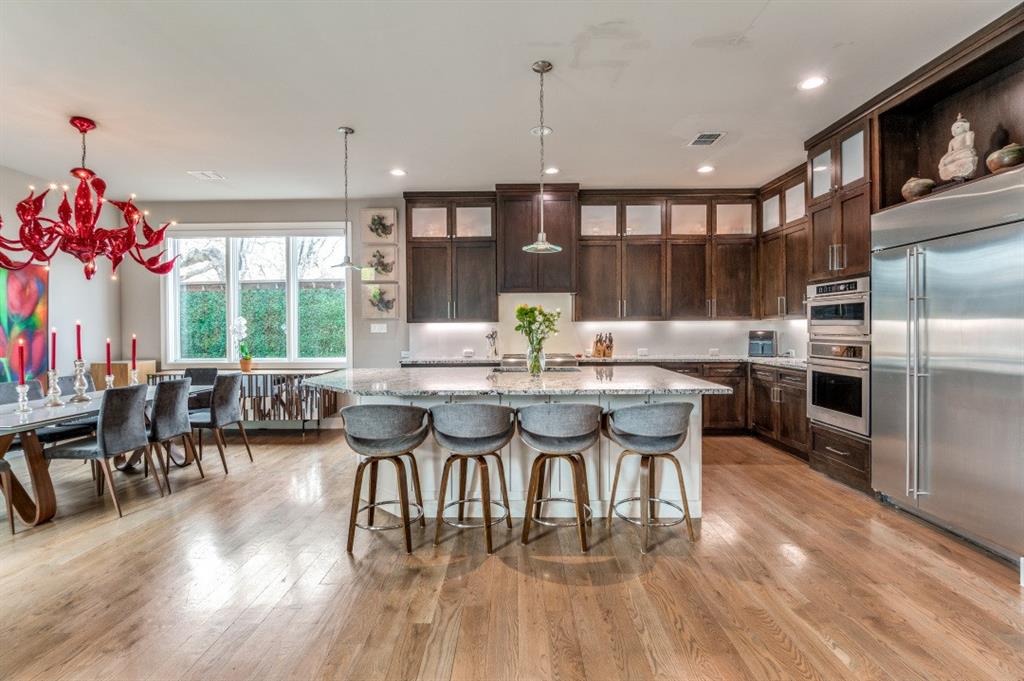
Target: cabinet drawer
725, 369
682, 368
841, 448
763, 373
793, 377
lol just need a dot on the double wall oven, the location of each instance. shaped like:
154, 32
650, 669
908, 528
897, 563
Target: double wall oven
839, 355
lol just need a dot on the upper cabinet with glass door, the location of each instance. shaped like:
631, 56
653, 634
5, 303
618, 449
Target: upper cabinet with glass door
428, 221
599, 220
474, 222
643, 218
688, 219
450, 218
609, 218
771, 213
839, 163
734, 218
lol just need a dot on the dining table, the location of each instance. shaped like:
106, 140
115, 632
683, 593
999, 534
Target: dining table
41, 505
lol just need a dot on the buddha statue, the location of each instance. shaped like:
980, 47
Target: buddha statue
961, 160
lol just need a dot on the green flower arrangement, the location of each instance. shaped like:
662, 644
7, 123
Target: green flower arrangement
537, 325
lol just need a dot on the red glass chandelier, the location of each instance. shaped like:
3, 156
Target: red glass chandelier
75, 231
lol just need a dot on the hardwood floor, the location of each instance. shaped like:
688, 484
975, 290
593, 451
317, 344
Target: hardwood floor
246, 576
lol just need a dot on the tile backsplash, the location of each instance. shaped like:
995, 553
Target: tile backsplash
659, 338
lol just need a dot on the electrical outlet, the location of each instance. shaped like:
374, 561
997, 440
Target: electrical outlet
641, 352
467, 352
405, 354
379, 328
713, 352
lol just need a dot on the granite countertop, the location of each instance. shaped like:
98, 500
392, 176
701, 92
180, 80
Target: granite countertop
784, 362
417, 382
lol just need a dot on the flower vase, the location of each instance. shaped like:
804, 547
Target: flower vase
535, 360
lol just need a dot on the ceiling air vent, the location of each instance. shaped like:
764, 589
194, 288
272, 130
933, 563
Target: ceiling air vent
705, 139
205, 175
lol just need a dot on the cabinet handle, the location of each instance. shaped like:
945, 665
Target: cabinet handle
778, 305
831, 257
624, 313
449, 308
714, 307
843, 248
836, 451
785, 307
709, 307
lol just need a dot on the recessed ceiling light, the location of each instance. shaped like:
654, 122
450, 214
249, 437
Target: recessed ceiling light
551, 171
705, 169
813, 82
397, 172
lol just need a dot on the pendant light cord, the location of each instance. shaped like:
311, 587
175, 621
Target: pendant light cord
83, 150
347, 225
542, 136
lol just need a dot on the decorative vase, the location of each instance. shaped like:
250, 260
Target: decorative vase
916, 187
1009, 156
246, 365
535, 360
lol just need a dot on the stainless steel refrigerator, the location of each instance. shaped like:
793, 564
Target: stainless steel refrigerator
947, 401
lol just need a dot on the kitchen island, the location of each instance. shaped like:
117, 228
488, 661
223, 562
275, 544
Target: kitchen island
610, 387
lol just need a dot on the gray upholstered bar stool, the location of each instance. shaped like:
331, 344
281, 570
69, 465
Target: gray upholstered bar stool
559, 431
472, 432
652, 432
378, 433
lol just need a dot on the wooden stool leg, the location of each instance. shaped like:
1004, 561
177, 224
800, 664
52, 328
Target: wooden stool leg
581, 514
403, 499
105, 469
373, 491
5, 482
682, 493
463, 471
645, 507
542, 486
615, 485
357, 489
584, 482
531, 496
485, 497
504, 489
441, 499
414, 469
652, 487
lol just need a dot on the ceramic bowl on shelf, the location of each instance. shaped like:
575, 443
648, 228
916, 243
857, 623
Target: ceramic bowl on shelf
1009, 156
916, 187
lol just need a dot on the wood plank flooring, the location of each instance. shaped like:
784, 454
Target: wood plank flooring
246, 577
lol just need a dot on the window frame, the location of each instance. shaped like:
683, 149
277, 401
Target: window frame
171, 286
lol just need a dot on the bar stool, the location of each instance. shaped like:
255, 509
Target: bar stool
560, 431
472, 432
385, 432
652, 432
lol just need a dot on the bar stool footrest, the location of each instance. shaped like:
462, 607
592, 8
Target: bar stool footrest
464, 525
656, 523
391, 502
588, 513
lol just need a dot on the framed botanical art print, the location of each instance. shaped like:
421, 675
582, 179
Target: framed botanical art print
379, 225
380, 263
380, 301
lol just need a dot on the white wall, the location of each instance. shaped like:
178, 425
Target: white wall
95, 302
660, 338
140, 291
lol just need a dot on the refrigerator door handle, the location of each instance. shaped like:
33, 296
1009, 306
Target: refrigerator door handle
920, 373
910, 379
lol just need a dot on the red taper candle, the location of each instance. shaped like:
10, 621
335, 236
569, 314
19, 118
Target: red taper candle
78, 340
108, 357
21, 361
133, 350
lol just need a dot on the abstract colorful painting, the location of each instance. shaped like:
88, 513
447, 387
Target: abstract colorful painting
23, 315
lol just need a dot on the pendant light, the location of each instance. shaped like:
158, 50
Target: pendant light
542, 245
347, 263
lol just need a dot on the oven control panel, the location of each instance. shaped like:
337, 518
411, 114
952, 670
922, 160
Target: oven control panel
859, 285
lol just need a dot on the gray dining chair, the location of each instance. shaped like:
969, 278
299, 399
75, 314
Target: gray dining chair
652, 432
473, 432
121, 430
559, 430
6, 484
379, 433
225, 410
9, 391
169, 421
201, 376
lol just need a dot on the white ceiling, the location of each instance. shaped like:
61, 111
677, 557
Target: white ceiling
256, 90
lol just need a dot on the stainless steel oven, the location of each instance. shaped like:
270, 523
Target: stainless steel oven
839, 383
839, 308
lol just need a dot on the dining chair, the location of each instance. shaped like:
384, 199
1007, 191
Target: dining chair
169, 421
200, 376
225, 410
121, 430
6, 485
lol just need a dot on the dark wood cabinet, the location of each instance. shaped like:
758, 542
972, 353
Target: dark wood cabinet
772, 269
726, 412
687, 287
852, 232
778, 406
762, 402
821, 228
518, 224
474, 284
795, 293
643, 279
841, 456
620, 279
732, 278
599, 297
428, 293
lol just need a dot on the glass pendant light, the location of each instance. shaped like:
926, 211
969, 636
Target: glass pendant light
542, 245
347, 264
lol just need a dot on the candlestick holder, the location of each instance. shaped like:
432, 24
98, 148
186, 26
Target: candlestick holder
53, 393
81, 387
133, 377
23, 407
109, 380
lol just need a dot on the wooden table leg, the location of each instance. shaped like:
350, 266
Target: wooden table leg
41, 509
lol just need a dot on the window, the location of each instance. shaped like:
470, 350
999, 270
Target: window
287, 288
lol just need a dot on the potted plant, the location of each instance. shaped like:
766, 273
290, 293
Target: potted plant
537, 325
240, 331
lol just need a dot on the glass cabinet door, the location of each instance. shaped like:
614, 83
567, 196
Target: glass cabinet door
473, 221
821, 174
688, 219
643, 220
851, 159
796, 205
599, 220
770, 213
429, 222
734, 219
